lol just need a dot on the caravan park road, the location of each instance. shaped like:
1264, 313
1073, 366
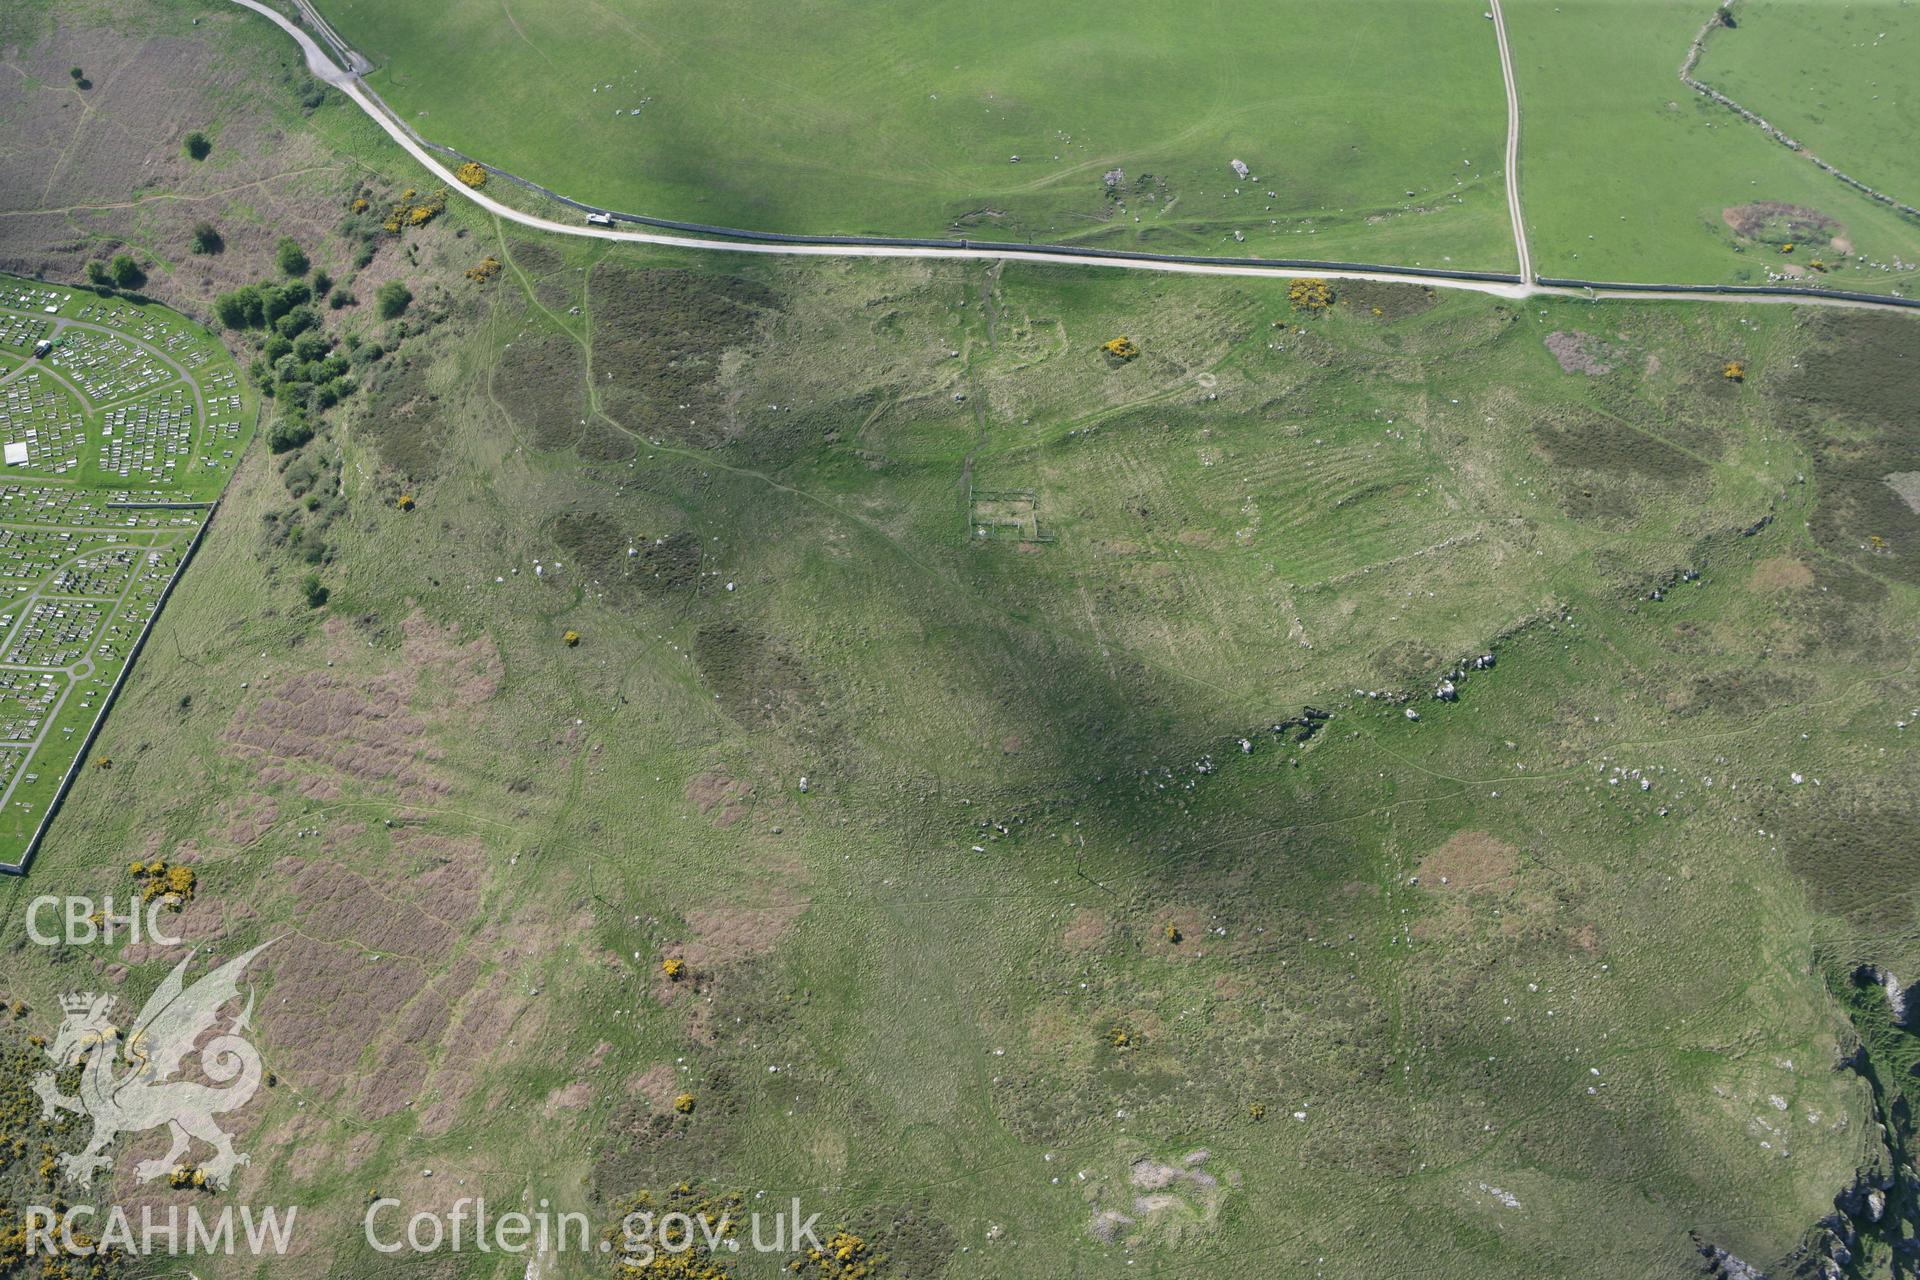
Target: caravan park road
322, 65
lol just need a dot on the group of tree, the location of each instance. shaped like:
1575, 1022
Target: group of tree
123, 272
264, 306
303, 369
306, 376
298, 364
306, 372
268, 305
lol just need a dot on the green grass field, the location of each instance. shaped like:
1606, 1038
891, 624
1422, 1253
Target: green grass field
1628, 175
903, 118
1840, 78
908, 129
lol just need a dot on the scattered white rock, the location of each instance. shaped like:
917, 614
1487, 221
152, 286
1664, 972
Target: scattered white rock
1506, 1198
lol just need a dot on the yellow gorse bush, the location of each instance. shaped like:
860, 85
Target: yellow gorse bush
1310, 293
410, 210
175, 884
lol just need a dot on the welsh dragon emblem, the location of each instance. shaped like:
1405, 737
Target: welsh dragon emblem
127, 1084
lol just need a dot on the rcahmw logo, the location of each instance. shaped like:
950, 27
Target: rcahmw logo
160, 1230
127, 1086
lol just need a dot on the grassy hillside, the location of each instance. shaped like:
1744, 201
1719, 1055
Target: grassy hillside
1411, 948
1117, 843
